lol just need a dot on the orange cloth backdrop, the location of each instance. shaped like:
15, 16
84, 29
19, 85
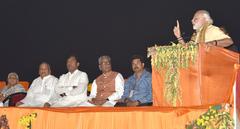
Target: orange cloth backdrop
238, 93
104, 118
209, 81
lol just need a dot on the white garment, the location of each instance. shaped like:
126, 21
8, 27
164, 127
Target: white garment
40, 91
119, 88
74, 85
106, 104
212, 33
237, 123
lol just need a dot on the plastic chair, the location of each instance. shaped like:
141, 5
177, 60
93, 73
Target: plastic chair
2, 84
89, 88
25, 84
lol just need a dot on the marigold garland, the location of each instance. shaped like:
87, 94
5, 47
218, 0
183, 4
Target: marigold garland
215, 118
172, 59
26, 121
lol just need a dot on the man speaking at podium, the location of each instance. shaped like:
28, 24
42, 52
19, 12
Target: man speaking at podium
205, 32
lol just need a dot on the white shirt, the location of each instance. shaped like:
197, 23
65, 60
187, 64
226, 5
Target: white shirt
40, 91
66, 85
119, 88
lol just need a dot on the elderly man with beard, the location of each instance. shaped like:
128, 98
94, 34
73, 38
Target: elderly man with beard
205, 31
138, 87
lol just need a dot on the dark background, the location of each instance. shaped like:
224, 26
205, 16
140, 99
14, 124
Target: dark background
35, 31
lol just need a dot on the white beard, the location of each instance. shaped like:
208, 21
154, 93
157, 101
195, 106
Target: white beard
197, 26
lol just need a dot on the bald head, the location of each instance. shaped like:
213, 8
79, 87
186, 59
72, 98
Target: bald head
44, 69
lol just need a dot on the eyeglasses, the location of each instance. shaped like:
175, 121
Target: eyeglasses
105, 63
12, 78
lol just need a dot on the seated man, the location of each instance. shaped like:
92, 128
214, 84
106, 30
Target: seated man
41, 89
138, 87
71, 89
106, 88
205, 31
12, 87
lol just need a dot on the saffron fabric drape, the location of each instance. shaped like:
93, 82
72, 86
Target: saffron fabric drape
209, 81
104, 118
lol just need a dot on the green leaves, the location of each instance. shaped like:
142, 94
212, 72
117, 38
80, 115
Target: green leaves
214, 118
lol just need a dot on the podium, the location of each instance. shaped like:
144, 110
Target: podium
209, 81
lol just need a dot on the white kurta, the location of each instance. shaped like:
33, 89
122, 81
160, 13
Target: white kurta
40, 91
119, 88
66, 84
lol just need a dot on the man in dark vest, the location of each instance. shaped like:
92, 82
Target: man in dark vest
106, 88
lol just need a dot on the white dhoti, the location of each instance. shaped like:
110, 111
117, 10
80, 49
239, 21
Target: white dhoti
37, 101
69, 101
106, 104
1, 104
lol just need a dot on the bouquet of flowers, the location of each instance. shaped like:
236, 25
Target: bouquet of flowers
26, 121
214, 118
